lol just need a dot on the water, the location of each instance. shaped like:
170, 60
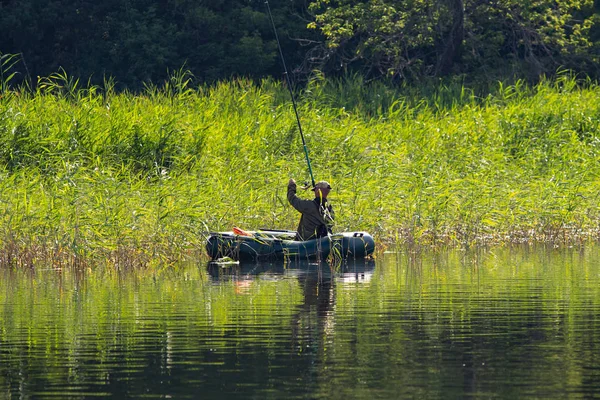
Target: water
508, 323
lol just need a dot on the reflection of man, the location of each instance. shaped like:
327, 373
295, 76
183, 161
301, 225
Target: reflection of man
317, 215
315, 318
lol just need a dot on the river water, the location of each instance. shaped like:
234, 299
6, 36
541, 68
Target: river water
499, 323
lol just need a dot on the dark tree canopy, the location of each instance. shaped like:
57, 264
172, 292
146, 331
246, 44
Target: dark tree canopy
137, 41
415, 38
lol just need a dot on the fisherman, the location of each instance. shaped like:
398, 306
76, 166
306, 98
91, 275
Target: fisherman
317, 215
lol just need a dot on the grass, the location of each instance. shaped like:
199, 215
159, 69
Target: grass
88, 175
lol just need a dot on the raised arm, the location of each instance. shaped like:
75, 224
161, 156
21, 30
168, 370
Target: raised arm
295, 201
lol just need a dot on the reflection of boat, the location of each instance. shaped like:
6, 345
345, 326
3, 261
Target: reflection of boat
279, 244
350, 277
346, 271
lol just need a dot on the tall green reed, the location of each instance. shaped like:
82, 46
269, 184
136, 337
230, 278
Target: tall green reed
88, 173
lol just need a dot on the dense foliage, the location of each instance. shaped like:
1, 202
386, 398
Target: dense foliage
425, 37
137, 41
95, 174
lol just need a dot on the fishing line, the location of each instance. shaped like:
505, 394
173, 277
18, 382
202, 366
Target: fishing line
289, 85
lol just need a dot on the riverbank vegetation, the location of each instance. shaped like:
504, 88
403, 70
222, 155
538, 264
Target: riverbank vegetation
88, 174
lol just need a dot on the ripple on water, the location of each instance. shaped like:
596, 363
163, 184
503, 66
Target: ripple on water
502, 324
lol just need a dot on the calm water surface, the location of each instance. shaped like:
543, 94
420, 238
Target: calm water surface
508, 323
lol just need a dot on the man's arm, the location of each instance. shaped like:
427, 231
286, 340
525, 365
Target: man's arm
295, 201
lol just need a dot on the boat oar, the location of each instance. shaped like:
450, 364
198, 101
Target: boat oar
289, 85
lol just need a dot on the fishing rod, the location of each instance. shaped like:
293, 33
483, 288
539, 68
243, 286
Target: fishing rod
289, 85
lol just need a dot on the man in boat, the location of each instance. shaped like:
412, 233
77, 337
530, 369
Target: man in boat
317, 215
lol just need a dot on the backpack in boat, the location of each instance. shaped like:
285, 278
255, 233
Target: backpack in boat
323, 229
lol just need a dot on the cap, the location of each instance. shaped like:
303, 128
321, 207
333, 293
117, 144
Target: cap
322, 185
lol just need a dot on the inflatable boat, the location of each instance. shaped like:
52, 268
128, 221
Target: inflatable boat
267, 244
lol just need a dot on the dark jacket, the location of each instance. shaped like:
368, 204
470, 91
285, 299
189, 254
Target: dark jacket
317, 216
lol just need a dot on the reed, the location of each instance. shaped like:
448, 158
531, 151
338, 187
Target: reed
89, 175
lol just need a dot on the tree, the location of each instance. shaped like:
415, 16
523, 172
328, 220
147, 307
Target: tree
404, 38
136, 41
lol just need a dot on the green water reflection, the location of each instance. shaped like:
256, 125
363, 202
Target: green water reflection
491, 323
